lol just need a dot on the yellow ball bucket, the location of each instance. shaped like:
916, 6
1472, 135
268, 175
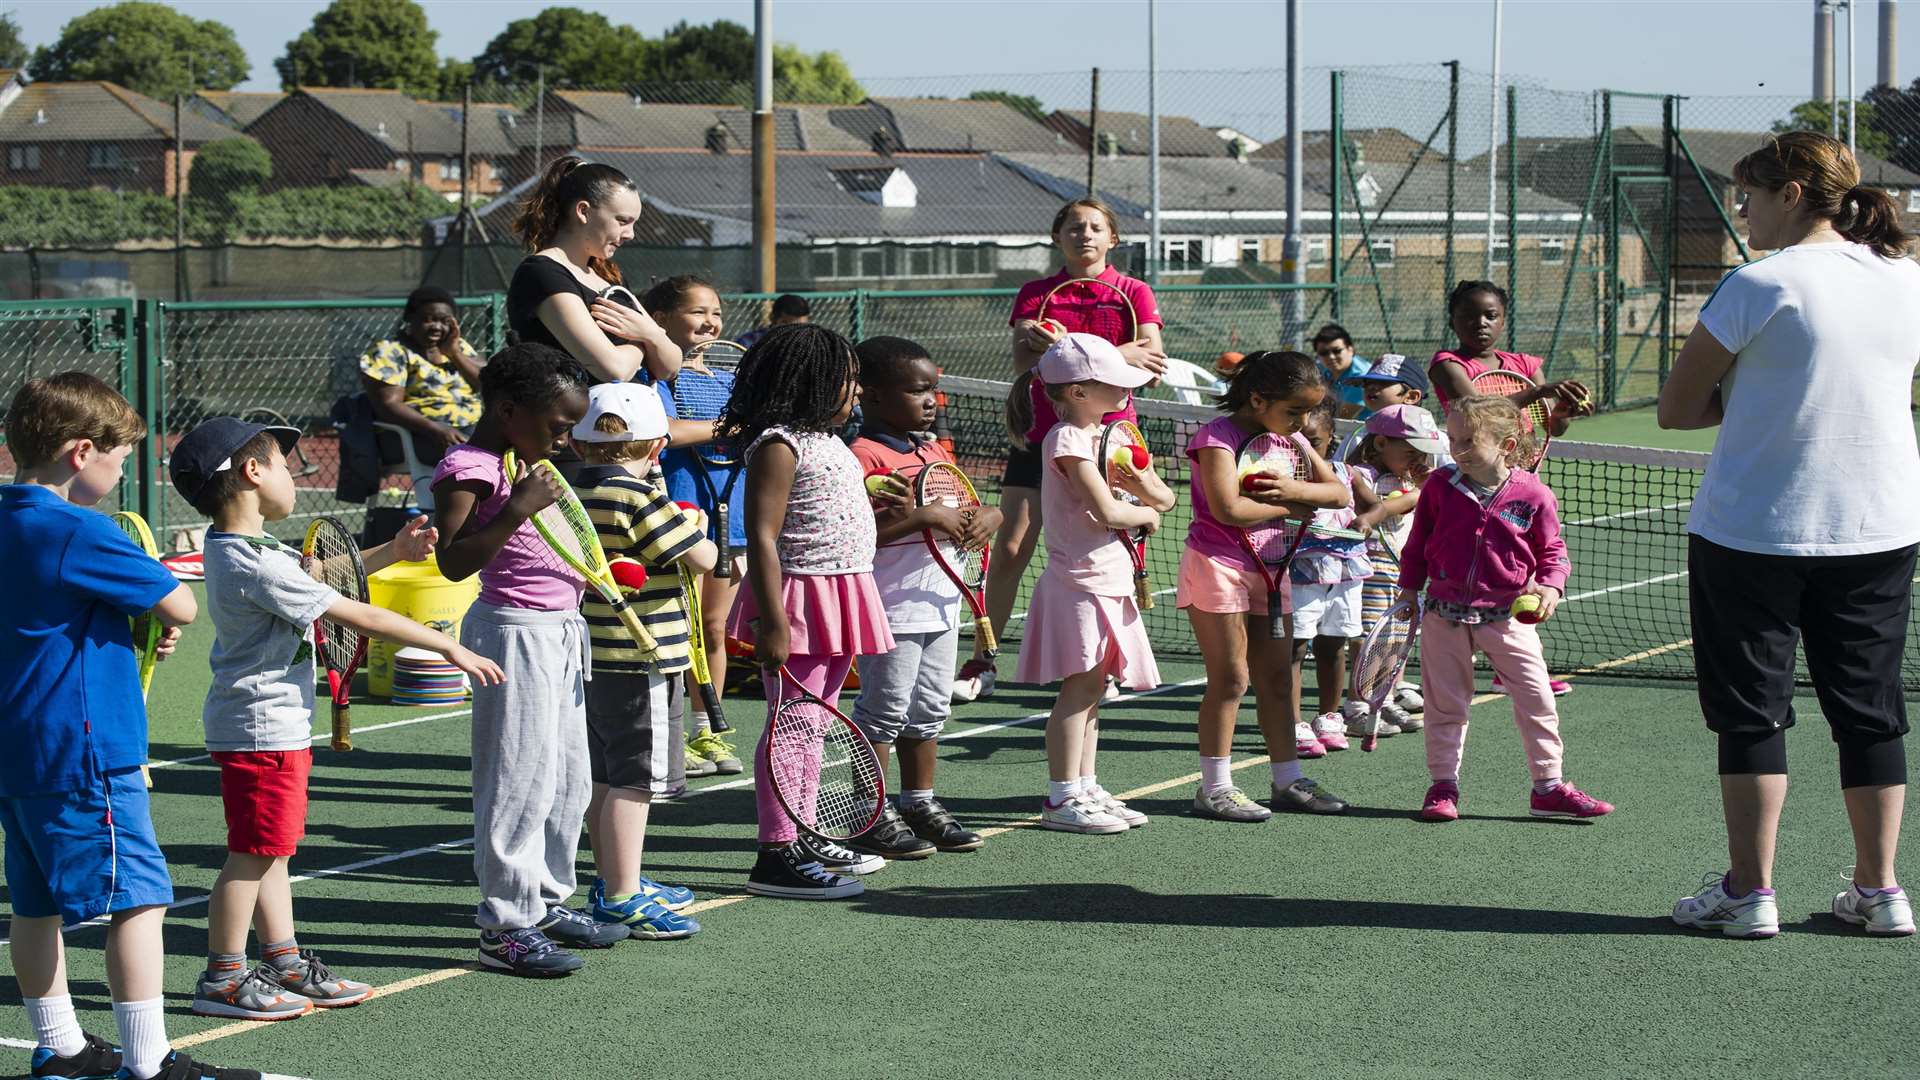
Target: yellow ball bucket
417, 591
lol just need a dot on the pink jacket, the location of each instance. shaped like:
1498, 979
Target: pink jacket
1465, 553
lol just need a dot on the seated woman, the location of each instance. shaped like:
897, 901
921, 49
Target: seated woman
425, 379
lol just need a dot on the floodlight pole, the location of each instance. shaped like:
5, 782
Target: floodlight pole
1290, 266
764, 247
1851, 95
1493, 136
1153, 142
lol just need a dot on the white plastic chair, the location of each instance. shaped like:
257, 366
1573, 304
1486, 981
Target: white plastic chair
422, 474
1191, 383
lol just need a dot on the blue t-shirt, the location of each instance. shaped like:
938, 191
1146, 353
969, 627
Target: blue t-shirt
696, 395
70, 707
1351, 393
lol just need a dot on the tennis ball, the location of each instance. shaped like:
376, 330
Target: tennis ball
880, 482
1526, 608
1132, 456
627, 574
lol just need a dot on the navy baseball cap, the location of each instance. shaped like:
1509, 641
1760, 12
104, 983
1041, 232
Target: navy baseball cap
1392, 367
209, 448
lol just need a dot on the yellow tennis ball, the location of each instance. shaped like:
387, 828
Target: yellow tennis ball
879, 484
1524, 605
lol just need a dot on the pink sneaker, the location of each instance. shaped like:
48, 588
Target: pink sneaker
1331, 730
1560, 687
1441, 804
1568, 801
1305, 743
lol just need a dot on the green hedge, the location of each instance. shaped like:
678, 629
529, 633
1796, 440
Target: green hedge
57, 217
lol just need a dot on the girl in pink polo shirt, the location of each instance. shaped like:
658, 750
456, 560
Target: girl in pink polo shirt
1085, 231
1477, 311
1486, 537
1082, 626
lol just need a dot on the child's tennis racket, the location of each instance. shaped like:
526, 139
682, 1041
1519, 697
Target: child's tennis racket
714, 458
568, 530
1381, 659
1076, 306
332, 556
822, 768
146, 629
942, 483
1123, 448
1534, 415
697, 645
1271, 545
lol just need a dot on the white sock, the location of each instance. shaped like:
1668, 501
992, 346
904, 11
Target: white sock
701, 724
1089, 783
143, 1035
54, 1025
915, 797
1216, 774
1059, 791
1287, 773
1541, 787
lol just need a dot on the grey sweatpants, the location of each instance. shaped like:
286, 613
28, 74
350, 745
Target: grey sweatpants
908, 693
530, 775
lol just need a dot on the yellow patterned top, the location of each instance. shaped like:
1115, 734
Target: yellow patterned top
437, 391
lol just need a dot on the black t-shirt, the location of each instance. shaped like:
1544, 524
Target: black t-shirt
536, 278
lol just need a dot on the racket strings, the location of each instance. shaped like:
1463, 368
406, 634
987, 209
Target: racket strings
829, 777
336, 560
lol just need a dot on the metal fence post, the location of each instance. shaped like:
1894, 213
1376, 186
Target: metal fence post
859, 316
1513, 211
1338, 138
145, 348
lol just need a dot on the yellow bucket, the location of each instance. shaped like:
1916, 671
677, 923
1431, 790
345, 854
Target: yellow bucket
417, 591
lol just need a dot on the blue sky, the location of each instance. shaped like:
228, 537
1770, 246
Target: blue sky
1699, 47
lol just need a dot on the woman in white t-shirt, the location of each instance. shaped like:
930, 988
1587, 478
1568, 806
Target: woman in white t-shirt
1801, 530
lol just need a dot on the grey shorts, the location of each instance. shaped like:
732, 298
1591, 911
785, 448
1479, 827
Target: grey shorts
908, 693
635, 737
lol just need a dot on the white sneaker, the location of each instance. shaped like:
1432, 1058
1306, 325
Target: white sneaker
1356, 715
973, 683
1407, 696
1112, 691
1885, 914
1754, 915
1228, 804
1077, 815
1105, 800
1401, 718
840, 859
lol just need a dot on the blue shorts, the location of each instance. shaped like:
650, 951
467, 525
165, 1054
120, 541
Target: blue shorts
84, 854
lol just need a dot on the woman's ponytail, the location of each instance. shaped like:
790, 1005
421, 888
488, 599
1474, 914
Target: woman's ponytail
1868, 216
566, 181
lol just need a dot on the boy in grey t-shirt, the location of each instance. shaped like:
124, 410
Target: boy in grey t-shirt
259, 714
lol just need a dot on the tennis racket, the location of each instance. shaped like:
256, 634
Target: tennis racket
712, 458
568, 530
1272, 544
1121, 445
1381, 659
697, 645
1535, 417
822, 768
333, 558
146, 629
1076, 306
942, 483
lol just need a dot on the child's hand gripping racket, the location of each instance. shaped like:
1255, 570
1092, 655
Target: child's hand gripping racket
147, 630
568, 530
1271, 545
1123, 455
943, 484
1535, 417
333, 558
697, 643
1382, 658
822, 768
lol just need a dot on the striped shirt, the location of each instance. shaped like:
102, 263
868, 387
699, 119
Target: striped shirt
636, 520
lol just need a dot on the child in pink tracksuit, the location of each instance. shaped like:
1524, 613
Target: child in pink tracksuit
1484, 535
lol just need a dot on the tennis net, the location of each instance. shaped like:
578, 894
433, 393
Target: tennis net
1623, 512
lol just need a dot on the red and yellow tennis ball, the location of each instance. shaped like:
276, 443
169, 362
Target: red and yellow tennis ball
1135, 456
627, 573
1526, 608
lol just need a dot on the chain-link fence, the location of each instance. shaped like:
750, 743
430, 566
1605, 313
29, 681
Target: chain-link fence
41, 338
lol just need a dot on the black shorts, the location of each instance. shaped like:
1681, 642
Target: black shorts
1752, 612
635, 735
1023, 468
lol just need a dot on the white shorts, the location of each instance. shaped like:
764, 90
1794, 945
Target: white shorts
1327, 610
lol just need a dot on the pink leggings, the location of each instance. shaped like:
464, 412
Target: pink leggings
824, 676
1446, 681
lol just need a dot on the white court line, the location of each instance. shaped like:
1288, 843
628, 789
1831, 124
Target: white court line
1624, 586
325, 736
1624, 514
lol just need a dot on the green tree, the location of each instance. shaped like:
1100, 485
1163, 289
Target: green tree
13, 51
817, 77
1025, 104
146, 47
379, 43
228, 166
576, 48
1868, 133
715, 63
455, 76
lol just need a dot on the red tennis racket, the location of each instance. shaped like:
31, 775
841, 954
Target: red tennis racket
1124, 449
1535, 417
1076, 306
822, 768
942, 483
332, 557
1272, 545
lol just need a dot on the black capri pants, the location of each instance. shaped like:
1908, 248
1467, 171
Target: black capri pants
1751, 611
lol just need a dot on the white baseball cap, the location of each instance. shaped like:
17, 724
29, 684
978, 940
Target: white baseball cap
636, 406
1084, 357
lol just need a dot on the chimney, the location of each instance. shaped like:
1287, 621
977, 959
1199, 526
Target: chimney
1822, 50
1109, 145
1238, 149
1889, 53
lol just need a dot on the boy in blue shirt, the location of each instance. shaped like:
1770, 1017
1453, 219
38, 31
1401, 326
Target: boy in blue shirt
79, 836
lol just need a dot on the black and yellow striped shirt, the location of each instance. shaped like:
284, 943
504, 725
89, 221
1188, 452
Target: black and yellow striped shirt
636, 520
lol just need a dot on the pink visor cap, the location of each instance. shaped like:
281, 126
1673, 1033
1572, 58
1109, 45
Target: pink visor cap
1409, 422
1087, 358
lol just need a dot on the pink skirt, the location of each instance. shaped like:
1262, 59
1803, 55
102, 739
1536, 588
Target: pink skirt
1068, 631
827, 615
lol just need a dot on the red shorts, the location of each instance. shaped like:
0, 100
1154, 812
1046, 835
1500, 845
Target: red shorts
265, 795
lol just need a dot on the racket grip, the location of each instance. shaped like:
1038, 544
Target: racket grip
983, 631
724, 571
716, 720
1276, 618
343, 727
1142, 594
